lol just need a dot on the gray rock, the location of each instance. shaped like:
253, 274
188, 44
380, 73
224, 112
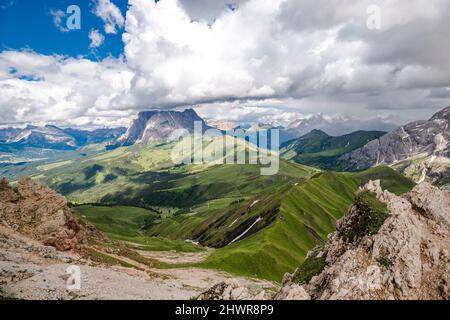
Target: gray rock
158, 126
421, 137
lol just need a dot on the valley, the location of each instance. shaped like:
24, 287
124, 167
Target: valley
250, 225
218, 217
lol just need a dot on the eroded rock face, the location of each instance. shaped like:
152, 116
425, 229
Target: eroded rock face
158, 126
417, 138
41, 213
408, 258
431, 202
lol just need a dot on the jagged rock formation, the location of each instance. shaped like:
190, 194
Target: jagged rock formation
158, 126
406, 258
39, 212
426, 139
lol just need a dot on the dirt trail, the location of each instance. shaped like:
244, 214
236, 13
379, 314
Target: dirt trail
29, 270
173, 257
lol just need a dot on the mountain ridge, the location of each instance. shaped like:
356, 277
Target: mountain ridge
53, 137
319, 149
426, 139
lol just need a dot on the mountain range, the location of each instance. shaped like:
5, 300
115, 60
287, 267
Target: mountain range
319, 149
156, 126
420, 149
53, 137
335, 126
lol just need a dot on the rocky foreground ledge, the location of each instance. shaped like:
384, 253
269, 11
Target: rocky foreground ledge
40, 241
385, 247
37, 211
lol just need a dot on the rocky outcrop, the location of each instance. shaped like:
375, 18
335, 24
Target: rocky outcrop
232, 290
406, 257
424, 138
158, 126
39, 212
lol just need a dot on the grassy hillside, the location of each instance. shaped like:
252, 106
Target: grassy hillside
308, 213
390, 179
229, 191
128, 224
321, 150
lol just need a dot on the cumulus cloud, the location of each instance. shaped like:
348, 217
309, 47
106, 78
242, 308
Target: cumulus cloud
250, 59
290, 49
67, 88
110, 14
96, 38
207, 10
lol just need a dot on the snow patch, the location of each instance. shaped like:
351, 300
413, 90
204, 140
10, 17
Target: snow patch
247, 230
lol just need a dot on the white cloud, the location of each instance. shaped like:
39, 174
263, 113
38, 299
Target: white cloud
96, 38
58, 16
266, 59
110, 14
287, 49
67, 88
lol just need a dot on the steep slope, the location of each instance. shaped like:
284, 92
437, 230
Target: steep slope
386, 247
321, 150
421, 149
158, 126
306, 213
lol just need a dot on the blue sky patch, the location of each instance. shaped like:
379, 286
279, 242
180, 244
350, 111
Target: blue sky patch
41, 27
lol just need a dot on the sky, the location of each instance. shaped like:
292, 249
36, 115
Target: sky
241, 60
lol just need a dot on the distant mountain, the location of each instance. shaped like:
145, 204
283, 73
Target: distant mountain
321, 150
222, 124
83, 137
52, 137
421, 148
335, 126
157, 126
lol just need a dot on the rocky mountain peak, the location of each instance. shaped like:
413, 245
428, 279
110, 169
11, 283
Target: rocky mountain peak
157, 126
442, 115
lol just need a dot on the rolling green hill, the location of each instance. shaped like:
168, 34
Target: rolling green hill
320, 150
